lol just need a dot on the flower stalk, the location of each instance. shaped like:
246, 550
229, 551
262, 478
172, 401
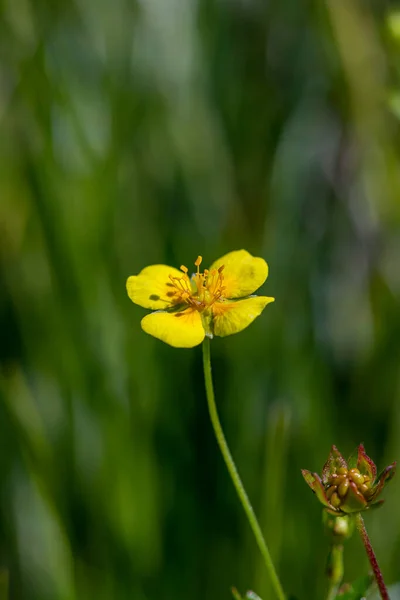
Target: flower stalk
371, 557
233, 472
339, 529
334, 570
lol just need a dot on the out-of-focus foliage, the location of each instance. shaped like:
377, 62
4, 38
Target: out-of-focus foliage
150, 132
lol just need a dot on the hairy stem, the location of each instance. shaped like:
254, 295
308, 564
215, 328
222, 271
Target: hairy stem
241, 492
372, 558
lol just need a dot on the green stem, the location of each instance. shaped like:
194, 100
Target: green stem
241, 492
334, 570
332, 592
4, 580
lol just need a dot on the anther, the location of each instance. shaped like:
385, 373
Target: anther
356, 476
330, 491
198, 260
184, 269
335, 500
343, 487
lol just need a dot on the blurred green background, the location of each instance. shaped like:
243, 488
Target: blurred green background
149, 132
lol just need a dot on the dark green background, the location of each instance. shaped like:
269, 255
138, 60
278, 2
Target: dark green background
149, 132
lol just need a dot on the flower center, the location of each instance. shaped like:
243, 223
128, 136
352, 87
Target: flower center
202, 290
338, 485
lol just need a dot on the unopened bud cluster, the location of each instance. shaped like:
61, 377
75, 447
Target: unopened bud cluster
345, 489
339, 483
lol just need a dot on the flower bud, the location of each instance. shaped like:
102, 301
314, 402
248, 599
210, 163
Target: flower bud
345, 490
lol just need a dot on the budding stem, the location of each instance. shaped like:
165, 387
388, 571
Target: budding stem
372, 558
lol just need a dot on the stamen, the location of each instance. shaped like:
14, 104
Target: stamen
207, 288
182, 283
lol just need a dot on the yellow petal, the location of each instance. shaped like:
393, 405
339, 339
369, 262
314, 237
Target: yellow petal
152, 288
182, 329
232, 317
243, 273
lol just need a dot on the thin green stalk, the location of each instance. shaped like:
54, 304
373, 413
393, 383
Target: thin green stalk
241, 492
4, 581
334, 570
332, 592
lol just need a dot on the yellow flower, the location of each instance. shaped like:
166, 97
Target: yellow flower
214, 302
